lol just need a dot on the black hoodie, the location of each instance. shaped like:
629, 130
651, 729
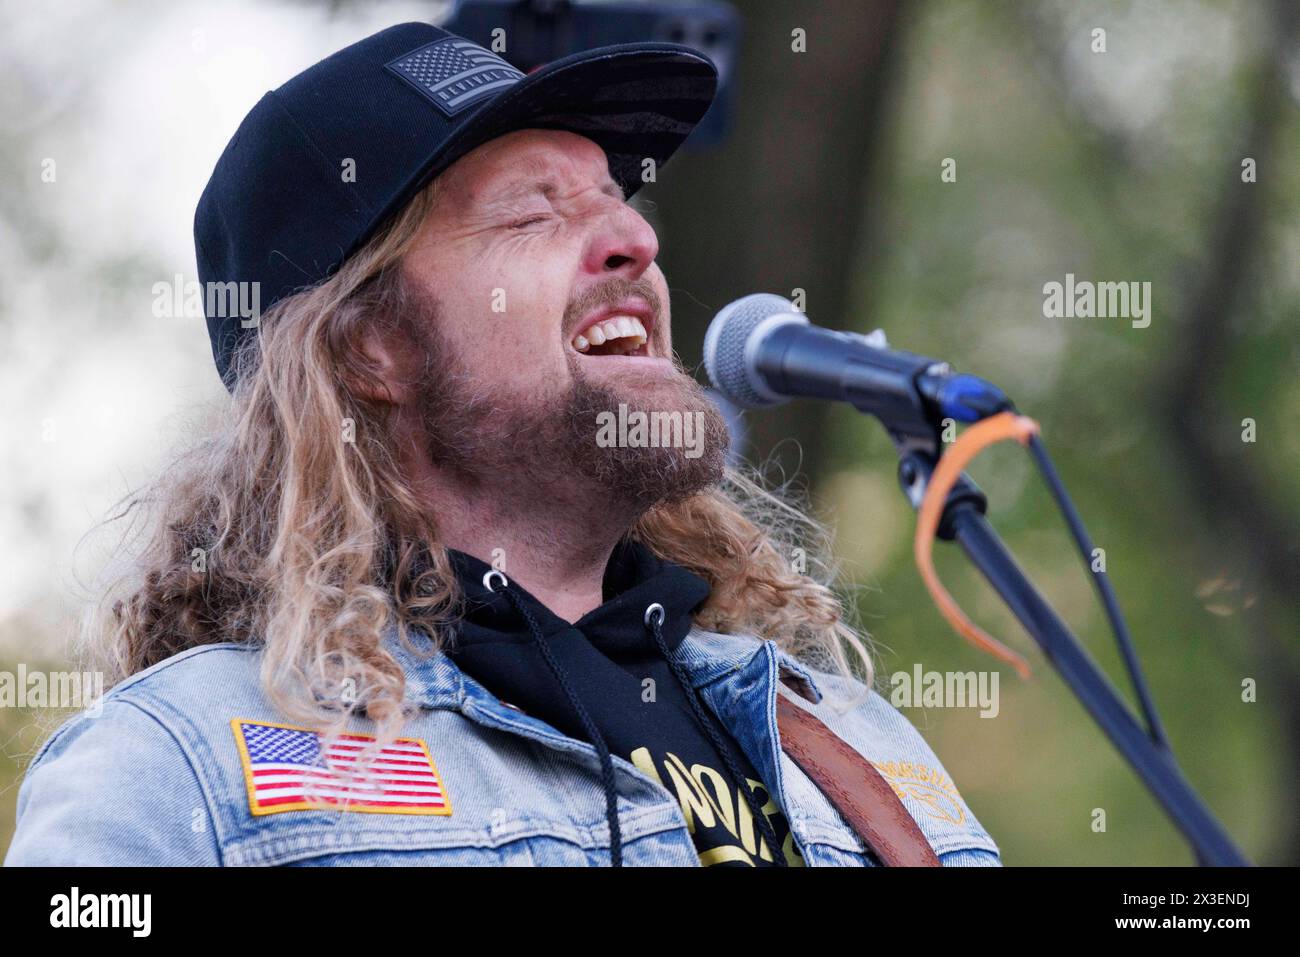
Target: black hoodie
607, 674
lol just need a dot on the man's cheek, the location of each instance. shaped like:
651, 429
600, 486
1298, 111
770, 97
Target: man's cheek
522, 351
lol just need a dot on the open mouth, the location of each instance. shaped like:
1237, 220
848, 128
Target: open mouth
615, 335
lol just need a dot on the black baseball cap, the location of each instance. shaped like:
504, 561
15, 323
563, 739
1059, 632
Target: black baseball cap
319, 165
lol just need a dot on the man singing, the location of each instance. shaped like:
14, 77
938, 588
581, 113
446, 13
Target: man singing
413, 600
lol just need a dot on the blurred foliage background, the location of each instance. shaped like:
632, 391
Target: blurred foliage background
1123, 165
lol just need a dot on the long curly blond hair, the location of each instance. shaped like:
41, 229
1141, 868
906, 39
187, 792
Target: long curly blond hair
289, 526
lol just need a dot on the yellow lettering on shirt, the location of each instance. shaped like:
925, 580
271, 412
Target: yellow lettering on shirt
707, 801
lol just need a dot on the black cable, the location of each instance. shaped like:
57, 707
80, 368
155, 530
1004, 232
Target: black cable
1102, 581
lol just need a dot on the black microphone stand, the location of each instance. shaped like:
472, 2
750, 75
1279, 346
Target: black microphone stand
963, 520
912, 395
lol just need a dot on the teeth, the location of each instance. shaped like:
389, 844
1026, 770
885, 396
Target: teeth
607, 330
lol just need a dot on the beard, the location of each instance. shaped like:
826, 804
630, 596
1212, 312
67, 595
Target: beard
559, 446
652, 468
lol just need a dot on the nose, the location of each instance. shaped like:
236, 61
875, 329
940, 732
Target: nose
623, 244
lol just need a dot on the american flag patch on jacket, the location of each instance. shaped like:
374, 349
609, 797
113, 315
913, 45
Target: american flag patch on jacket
289, 769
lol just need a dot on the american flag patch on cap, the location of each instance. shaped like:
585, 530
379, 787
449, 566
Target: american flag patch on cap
289, 769
455, 73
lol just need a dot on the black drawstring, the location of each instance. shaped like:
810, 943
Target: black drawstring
606, 765
654, 622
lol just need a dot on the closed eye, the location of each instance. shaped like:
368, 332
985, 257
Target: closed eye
530, 221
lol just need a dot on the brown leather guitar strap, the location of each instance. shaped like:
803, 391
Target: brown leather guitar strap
855, 788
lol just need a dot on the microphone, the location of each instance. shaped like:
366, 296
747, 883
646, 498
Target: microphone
761, 351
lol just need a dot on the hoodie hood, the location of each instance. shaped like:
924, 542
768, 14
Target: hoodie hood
635, 578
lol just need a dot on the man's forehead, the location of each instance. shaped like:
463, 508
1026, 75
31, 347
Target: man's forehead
527, 157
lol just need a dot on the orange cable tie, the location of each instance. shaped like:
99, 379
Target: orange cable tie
973, 441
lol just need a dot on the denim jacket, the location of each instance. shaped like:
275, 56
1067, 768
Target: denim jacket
155, 776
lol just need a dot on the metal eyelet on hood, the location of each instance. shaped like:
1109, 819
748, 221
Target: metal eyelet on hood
654, 611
